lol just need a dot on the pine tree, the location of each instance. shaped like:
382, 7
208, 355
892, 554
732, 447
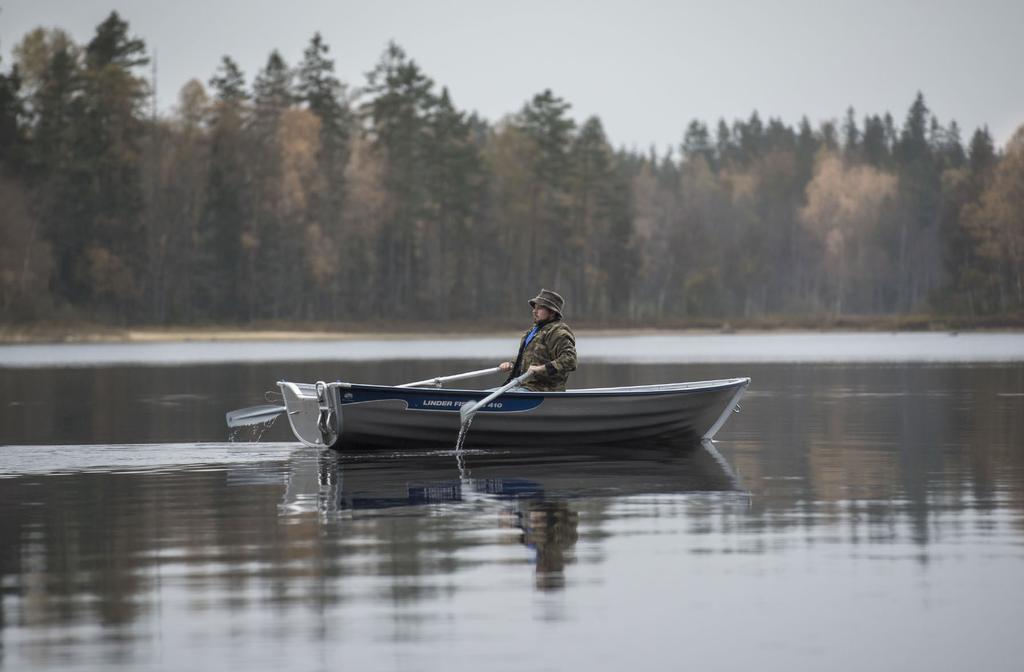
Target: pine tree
324, 96
829, 136
545, 123
87, 134
851, 136
996, 224
619, 258
778, 136
807, 145
697, 142
982, 153
108, 144
598, 246
60, 175
401, 102
591, 169
455, 184
226, 240
277, 237
918, 234
12, 114
913, 146
272, 95
229, 83
751, 137
973, 276
723, 143
953, 155
58, 109
874, 147
891, 136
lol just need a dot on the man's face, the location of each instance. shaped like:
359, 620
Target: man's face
540, 313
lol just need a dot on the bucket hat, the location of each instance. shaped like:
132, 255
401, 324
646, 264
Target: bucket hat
549, 299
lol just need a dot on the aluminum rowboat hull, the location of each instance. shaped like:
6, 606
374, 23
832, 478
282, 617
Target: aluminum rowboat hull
344, 415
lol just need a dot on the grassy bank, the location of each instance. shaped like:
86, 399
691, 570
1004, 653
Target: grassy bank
87, 332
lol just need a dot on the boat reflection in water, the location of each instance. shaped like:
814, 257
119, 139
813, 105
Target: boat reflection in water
534, 493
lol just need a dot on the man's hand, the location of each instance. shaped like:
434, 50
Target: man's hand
505, 366
537, 368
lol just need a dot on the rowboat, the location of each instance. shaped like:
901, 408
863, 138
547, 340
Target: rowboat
343, 415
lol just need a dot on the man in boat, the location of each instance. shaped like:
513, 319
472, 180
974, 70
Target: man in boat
548, 349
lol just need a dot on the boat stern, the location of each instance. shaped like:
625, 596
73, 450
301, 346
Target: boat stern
313, 412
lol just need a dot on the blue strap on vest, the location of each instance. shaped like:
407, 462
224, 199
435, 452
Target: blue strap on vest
529, 336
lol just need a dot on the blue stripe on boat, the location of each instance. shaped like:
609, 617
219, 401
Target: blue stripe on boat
440, 401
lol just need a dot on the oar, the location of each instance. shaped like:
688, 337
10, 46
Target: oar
254, 415
436, 382
469, 408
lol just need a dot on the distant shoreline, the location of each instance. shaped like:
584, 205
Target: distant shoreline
632, 347
94, 333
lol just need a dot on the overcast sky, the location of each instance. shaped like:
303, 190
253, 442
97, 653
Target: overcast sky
644, 67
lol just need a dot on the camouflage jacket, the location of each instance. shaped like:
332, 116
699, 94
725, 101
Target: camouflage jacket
554, 346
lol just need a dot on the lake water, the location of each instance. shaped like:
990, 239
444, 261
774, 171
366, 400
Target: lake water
864, 510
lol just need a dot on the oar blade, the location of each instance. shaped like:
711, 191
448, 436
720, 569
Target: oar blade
466, 411
469, 408
254, 415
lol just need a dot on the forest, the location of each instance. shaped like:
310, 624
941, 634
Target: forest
296, 197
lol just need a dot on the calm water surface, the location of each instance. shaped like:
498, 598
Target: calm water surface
851, 516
